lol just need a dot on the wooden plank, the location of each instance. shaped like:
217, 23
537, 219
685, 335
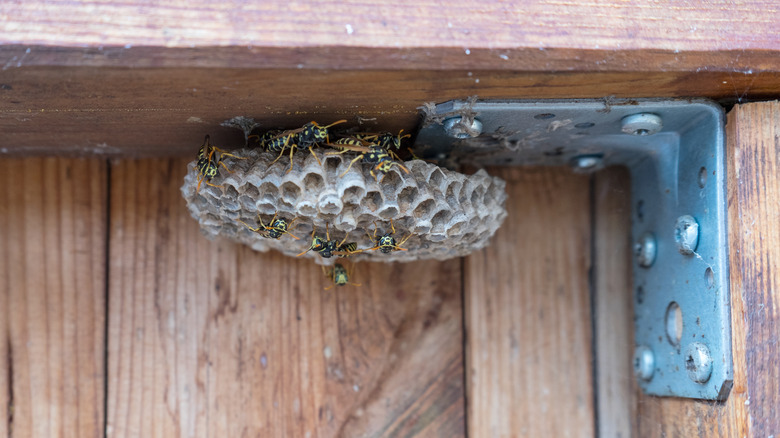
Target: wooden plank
214, 339
754, 246
608, 36
613, 308
528, 312
52, 303
163, 112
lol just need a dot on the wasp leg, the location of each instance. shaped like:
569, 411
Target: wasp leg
335, 146
350, 165
292, 149
290, 225
281, 152
315, 155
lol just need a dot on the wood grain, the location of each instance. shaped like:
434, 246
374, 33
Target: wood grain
608, 36
754, 245
52, 300
613, 307
528, 312
214, 339
167, 111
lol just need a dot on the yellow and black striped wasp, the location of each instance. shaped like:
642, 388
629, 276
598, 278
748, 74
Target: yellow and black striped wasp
385, 139
209, 159
276, 228
386, 242
370, 153
305, 137
325, 247
346, 249
339, 275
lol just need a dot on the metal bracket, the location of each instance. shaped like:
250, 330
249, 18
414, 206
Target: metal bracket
675, 152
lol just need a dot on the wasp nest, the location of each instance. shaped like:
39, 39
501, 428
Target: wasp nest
445, 214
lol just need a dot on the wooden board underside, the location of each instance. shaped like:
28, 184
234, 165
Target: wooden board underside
214, 339
528, 314
164, 112
52, 297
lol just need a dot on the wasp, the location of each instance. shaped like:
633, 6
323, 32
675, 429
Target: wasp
339, 275
305, 137
387, 243
276, 228
346, 249
325, 247
209, 158
264, 138
385, 139
372, 154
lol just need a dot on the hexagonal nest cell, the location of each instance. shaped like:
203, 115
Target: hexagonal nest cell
445, 214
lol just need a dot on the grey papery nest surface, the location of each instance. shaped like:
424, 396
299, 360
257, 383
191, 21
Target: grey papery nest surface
447, 214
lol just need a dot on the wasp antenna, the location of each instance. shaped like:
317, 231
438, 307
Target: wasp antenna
292, 235
303, 252
336, 123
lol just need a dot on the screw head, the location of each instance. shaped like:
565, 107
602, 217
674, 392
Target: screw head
698, 362
644, 362
686, 234
454, 127
645, 250
642, 124
586, 163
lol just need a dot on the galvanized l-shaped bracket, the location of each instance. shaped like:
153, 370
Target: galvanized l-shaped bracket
675, 152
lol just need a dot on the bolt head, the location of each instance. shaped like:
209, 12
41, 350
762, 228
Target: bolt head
454, 127
642, 124
644, 362
587, 163
686, 234
698, 362
645, 250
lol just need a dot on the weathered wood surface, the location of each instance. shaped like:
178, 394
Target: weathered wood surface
613, 308
130, 78
528, 312
214, 339
754, 247
526, 36
52, 297
163, 112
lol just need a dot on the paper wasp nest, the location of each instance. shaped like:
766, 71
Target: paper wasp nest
448, 214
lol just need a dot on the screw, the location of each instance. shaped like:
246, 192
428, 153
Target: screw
454, 127
586, 162
686, 234
698, 362
644, 362
642, 124
645, 250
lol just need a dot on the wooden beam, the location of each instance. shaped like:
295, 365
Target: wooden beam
613, 307
754, 246
125, 78
214, 339
528, 315
164, 112
52, 297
